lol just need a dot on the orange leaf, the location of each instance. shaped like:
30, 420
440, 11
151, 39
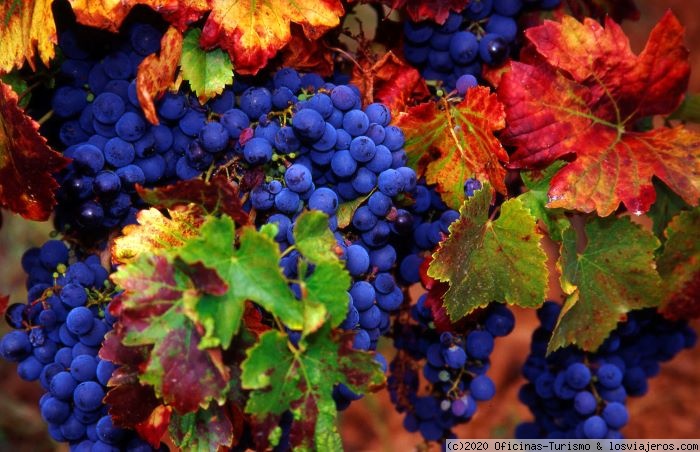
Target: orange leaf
307, 55
582, 96
450, 143
252, 32
26, 27
26, 162
109, 14
390, 81
157, 72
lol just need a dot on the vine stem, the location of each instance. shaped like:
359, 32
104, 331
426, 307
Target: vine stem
45, 118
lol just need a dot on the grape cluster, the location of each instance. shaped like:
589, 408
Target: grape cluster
573, 394
322, 149
55, 340
453, 53
454, 364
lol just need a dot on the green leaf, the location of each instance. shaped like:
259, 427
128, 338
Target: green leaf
667, 205
679, 266
313, 237
251, 271
689, 110
347, 209
154, 311
202, 431
282, 377
485, 260
613, 275
536, 199
208, 72
19, 86
328, 285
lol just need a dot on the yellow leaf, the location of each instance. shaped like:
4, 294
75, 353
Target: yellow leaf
26, 28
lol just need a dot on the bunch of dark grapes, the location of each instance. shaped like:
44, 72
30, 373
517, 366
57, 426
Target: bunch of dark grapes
55, 340
573, 394
454, 365
453, 53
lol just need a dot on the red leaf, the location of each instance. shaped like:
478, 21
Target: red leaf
618, 10
153, 428
585, 103
389, 80
435, 10
216, 196
131, 404
449, 143
157, 72
4, 301
26, 162
307, 55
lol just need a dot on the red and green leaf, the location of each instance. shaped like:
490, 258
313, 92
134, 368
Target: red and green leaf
216, 196
156, 297
205, 430
27, 30
282, 377
614, 274
156, 73
449, 143
27, 163
580, 97
679, 266
485, 260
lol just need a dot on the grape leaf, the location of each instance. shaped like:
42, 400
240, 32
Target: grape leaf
19, 86
307, 55
613, 275
252, 272
347, 209
215, 197
156, 73
252, 32
689, 109
435, 10
159, 295
27, 30
679, 266
155, 232
27, 163
109, 14
208, 72
282, 377
133, 405
202, 431
389, 80
450, 143
313, 238
536, 200
667, 205
618, 10
486, 260
585, 102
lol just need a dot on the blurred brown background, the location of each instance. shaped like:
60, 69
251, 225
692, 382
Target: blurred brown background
670, 410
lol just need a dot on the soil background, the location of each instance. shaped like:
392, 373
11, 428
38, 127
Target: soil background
669, 410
